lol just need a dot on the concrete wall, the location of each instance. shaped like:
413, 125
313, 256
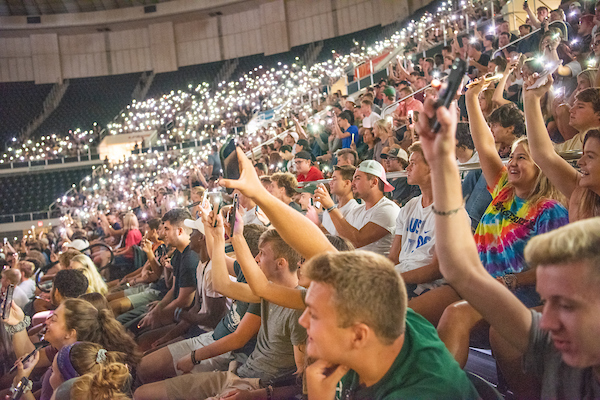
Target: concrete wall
180, 33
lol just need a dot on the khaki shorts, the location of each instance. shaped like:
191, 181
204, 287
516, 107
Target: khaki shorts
185, 347
207, 385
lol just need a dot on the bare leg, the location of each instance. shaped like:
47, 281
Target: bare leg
152, 391
455, 329
156, 366
119, 306
432, 304
145, 341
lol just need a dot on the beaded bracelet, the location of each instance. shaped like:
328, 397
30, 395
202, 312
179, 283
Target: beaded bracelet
446, 213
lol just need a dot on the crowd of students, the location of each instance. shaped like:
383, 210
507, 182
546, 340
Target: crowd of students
371, 283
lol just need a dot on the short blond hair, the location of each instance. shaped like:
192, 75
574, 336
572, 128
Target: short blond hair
367, 290
574, 242
417, 148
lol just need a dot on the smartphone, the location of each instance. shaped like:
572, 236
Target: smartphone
229, 159
487, 78
450, 89
216, 200
525, 3
38, 347
7, 301
233, 213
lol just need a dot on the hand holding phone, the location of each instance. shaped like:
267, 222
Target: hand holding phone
8, 302
233, 213
451, 88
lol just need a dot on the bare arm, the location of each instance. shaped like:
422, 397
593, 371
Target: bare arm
368, 234
395, 249
558, 171
295, 229
221, 281
498, 96
455, 246
425, 274
533, 21
491, 163
258, 282
216, 308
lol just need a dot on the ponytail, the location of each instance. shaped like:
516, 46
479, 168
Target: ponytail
105, 384
100, 327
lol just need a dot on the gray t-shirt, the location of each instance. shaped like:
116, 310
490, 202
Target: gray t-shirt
279, 332
559, 381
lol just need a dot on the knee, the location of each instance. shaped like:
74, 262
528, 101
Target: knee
456, 316
153, 365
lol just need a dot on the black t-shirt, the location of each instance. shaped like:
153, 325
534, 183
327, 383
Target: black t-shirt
184, 269
231, 320
160, 284
402, 192
484, 59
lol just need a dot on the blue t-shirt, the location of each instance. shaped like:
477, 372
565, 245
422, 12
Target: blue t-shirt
347, 141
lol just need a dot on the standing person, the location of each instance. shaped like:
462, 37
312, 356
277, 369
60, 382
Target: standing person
369, 116
214, 163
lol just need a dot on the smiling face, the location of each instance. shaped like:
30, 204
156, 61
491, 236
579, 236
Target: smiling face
57, 332
522, 171
589, 164
326, 340
571, 298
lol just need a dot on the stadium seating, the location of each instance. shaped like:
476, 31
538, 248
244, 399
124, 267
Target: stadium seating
181, 79
89, 100
36, 191
20, 103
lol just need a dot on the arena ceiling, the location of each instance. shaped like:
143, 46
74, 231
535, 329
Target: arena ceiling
45, 7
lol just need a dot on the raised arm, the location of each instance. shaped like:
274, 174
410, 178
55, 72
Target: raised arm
295, 229
220, 275
455, 246
558, 171
490, 161
258, 282
498, 96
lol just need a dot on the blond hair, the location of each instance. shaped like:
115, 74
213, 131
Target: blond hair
96, 283
571, 243
543, 188
384, 126
367, 290
285, 180
417, 148
130, 221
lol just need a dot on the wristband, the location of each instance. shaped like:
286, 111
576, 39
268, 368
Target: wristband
193, 357
25, 385
177, 314
330, 209
269, 390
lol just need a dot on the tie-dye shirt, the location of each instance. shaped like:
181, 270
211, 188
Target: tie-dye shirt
508, 224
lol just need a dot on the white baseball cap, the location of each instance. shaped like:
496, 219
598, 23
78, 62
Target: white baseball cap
78, 244
374, 168
197, 224
294, 135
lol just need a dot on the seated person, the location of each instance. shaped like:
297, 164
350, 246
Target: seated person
233, 338
87, 266
413, 249
581, 188
27, 284
347, 338
395, 159
369, 226
82, 360
305, 171
124, 256
12, 276
209, 305
559, 344
341, 187
280, 338
283, 186
184, 263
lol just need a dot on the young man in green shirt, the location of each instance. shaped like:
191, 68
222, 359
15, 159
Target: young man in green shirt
367, 344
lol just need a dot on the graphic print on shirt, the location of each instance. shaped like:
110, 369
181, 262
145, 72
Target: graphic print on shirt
413, 228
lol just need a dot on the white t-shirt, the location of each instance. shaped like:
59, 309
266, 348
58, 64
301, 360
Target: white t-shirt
205, 287
369, 121
28, 286
416, 226
328, 223
19, 297
384, 214
250, 217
